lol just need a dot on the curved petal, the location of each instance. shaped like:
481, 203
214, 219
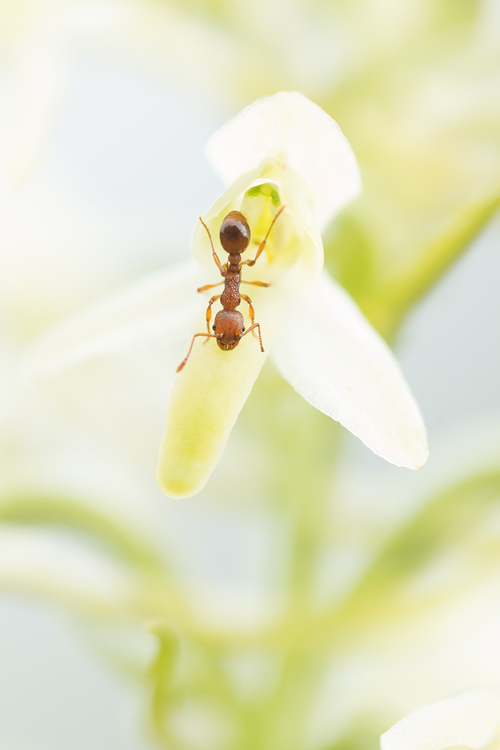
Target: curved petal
310, 141
331, 355
295, 239
161, 307
310, 251
208, 395
467, 720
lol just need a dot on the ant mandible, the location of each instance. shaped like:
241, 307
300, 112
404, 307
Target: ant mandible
228, 324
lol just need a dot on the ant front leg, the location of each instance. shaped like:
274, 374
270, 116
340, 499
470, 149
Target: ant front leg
263, 243
255, 325
251, 311
208, 336
209, 311
216, 258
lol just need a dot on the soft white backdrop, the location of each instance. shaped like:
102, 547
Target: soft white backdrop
116, 193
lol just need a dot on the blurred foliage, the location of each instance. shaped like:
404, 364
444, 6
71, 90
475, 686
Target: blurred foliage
387, 305
191, 669
415, 86
83, 519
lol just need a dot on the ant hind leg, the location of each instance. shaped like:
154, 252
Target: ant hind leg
216, 258
263, 243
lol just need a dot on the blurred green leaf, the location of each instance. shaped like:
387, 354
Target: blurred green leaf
363, 736
451, 521
350, 254
81, 519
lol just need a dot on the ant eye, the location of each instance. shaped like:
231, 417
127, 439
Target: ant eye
213, 327
244, 329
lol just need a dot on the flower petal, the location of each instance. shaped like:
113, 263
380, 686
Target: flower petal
289, 124
332, 356
295, 239
210, 392
208, 395
161, 307
469, 720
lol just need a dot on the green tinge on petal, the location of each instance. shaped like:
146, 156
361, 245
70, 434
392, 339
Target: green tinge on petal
207, 397
294, 240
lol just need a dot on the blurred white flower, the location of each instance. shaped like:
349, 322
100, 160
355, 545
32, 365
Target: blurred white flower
282, 150
467, 720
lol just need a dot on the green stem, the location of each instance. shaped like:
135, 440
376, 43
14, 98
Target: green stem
303, 459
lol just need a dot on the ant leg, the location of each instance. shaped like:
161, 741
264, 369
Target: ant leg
209, 310
208, 335
209, 286
263, 243
251, 311
255, 325
255, 283
214, 254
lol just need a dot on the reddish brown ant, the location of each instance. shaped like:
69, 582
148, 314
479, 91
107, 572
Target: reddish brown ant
228, 324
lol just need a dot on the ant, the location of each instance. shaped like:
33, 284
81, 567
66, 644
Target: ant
228, 324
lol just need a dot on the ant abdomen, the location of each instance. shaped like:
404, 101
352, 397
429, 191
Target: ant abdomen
234, 233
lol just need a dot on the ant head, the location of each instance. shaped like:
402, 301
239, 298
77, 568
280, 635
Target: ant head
228, 327
234, 233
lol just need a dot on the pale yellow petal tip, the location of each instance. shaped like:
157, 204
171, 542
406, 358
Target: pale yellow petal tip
411, 456
177, 483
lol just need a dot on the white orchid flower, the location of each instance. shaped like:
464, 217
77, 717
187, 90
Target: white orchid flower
467, 720
281, 151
